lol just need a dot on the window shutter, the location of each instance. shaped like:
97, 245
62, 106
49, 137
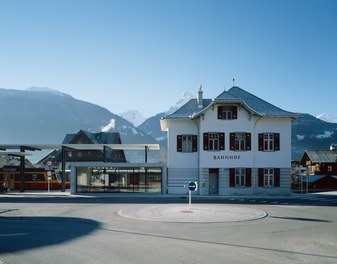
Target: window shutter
277, 141
248, 141
231, 177
194, 143
232, 141
276, 177
179, 143
220, 112
235, 112
260, 171
222, 141
248, 177
260, 141
205, 141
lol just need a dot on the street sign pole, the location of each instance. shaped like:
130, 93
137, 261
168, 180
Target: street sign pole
192, 186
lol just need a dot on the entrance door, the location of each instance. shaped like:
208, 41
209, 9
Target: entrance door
213, 181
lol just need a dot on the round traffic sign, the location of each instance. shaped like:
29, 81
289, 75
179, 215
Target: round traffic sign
193, 186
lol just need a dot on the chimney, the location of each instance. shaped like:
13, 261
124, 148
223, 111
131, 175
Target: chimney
200, 101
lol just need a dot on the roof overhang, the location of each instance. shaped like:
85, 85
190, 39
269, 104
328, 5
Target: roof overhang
15, 154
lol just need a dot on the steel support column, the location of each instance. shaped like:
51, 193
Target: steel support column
22, 170
63, 182
146, 149
104, 154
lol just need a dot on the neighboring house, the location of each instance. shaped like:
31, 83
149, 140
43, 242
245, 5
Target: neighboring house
320, 162
85, 137
322, 169
234, 144
320, 183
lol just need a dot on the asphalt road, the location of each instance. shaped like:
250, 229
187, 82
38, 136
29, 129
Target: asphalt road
89, 230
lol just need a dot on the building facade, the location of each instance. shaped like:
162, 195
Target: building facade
320, 162
321, 170
234, 144
85, 137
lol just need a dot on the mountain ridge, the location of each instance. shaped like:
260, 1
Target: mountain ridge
45, 117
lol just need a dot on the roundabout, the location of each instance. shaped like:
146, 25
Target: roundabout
199, 213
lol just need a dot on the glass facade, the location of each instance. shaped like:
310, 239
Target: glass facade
118, 180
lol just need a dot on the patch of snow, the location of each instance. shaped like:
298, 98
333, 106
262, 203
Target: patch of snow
327, 118
326, 134
186, 96
109, 126
300, 137
134, 117
161, 138
134, 131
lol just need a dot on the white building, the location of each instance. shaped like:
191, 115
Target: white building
234, 144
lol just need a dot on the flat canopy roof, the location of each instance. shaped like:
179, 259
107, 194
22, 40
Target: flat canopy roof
34, 147
14, 154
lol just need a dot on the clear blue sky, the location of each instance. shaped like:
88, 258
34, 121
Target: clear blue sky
144, 54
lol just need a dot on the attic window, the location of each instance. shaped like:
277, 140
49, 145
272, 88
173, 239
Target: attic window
227, 112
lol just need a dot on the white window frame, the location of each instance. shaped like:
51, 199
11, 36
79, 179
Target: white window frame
240, 141
268, 142
240, 177
227, 112
329, 168
213, 141
186, 143
268, 177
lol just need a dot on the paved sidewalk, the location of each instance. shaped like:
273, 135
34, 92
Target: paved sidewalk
53, 193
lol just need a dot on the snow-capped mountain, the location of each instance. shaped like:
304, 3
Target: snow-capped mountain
327, 118
151, 126
43, 115
134, 117
185, 97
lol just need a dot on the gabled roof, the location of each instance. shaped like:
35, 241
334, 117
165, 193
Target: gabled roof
189, 109
95, 138
321, 156
226, 95
259, 105
235, 95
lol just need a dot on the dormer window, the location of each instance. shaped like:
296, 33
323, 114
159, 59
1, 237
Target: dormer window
227, 112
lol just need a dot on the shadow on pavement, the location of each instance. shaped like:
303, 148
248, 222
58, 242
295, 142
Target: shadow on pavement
23, 233
301, 219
